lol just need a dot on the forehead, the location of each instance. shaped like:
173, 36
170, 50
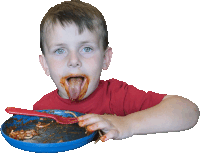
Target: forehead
69, 34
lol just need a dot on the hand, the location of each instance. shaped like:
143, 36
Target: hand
111, 125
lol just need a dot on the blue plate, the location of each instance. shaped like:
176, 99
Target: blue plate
44, 147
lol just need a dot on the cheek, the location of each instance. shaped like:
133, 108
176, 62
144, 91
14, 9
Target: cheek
94, 67
95, 64
55, 69
55, 66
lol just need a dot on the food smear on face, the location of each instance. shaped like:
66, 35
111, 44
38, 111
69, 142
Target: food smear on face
75, 86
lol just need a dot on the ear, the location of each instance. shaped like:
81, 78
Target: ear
107, 58
44, 64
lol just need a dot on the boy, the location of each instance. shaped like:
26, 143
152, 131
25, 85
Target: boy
74, 43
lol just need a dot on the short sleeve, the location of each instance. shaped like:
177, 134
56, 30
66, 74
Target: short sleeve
137, 100
126, 99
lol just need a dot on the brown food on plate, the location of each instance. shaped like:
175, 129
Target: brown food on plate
45, 130
21, 135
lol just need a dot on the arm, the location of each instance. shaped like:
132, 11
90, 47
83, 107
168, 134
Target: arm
173, 114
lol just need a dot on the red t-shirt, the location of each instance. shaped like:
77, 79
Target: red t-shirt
110, 97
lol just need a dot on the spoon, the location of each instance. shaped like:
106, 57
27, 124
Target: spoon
59, 119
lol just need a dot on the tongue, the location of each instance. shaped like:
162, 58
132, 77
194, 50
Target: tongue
74, 87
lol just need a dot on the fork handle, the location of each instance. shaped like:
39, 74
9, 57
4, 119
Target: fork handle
13, 110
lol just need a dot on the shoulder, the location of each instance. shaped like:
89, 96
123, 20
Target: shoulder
49, 95
45, 100
121, 86
116, 86
114, 83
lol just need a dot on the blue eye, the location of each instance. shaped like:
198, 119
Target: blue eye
59, 51
87, 49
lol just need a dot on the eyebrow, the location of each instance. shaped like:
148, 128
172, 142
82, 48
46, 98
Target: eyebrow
64, 44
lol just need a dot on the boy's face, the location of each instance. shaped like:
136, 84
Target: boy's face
74, 61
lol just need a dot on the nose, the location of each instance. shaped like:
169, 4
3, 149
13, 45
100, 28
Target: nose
74, 60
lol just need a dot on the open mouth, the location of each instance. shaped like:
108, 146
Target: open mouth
79, 79
75, 85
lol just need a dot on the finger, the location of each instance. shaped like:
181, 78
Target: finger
92, 120
101, 125
112, 134
83, 117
